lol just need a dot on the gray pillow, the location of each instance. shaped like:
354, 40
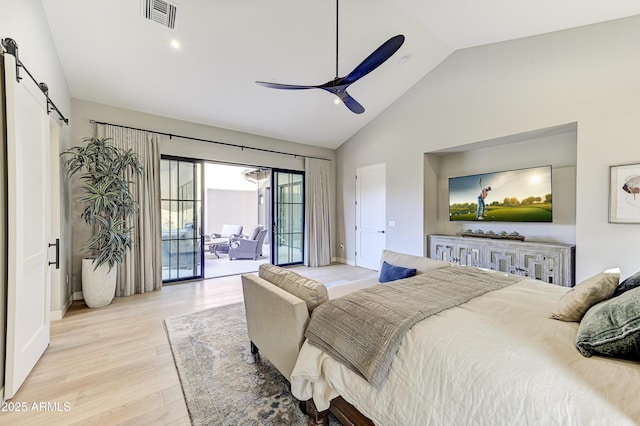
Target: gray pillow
612, 327
632, 282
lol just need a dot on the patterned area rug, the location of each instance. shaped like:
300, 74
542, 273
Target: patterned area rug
222, 382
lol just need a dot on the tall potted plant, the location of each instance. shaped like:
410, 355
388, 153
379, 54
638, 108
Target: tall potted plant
104, 171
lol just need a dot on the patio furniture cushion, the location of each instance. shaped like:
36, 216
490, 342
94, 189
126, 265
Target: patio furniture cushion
246, 248
255, 231
230, 230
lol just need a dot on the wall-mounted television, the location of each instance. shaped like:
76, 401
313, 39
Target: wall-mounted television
522, 195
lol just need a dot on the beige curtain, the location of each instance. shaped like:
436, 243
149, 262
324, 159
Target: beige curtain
141, 270
317, 212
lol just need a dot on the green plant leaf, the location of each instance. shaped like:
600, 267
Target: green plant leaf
106, 171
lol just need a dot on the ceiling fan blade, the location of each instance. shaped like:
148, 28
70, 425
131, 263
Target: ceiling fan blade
351, 103
341, 92
284, 86
338, 86
377, 58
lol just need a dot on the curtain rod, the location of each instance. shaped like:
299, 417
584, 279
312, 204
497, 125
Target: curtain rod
243, 147
11, 48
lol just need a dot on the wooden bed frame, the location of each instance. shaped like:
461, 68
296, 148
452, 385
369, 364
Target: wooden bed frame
345, 412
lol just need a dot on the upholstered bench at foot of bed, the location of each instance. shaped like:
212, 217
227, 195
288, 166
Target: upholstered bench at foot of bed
276, 321
278, 304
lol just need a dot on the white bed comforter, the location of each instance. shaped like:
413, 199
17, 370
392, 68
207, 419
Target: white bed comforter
496, 360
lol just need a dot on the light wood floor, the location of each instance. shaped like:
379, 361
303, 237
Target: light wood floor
113, 365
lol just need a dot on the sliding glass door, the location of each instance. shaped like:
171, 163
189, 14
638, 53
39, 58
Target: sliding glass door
287, 246
181, 192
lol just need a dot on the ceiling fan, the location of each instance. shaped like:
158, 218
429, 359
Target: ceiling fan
338, 86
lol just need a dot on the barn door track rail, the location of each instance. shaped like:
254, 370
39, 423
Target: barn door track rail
11, 47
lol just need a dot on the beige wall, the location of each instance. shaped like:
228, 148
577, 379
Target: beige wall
84, 111
557, 150
587, 76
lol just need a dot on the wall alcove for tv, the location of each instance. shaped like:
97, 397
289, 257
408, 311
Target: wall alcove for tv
554, 146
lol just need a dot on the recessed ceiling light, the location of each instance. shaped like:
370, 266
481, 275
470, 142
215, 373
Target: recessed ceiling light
175, 44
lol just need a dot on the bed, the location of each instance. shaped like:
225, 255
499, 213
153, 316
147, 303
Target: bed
496, 359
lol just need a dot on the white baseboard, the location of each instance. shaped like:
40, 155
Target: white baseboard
58, 315
345, 261
78, 295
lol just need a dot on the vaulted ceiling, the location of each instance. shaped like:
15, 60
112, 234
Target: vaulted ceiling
112, 55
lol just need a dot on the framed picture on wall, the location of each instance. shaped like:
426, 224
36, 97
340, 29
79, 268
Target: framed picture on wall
624, 194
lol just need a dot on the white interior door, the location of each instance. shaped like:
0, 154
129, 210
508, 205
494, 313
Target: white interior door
370, 215
28, 292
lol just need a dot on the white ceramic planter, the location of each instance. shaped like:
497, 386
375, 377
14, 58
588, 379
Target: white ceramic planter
98, 286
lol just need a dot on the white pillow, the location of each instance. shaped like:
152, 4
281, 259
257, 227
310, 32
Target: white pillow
575, 302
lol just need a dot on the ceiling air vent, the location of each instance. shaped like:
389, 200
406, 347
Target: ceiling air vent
160, 11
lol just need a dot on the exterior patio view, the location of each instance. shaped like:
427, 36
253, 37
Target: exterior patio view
198, 220
225, 226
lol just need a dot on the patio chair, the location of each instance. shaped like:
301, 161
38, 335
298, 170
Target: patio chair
248, 248
219, 242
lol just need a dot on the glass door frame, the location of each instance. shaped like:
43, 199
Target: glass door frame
198, 237
275, 215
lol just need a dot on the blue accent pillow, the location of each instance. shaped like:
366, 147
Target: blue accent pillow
612, 328
632, 282
390, 272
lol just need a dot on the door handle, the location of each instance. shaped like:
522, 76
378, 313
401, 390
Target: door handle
381, 232
57, 246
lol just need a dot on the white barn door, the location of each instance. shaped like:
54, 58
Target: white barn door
29, 205
370, 215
